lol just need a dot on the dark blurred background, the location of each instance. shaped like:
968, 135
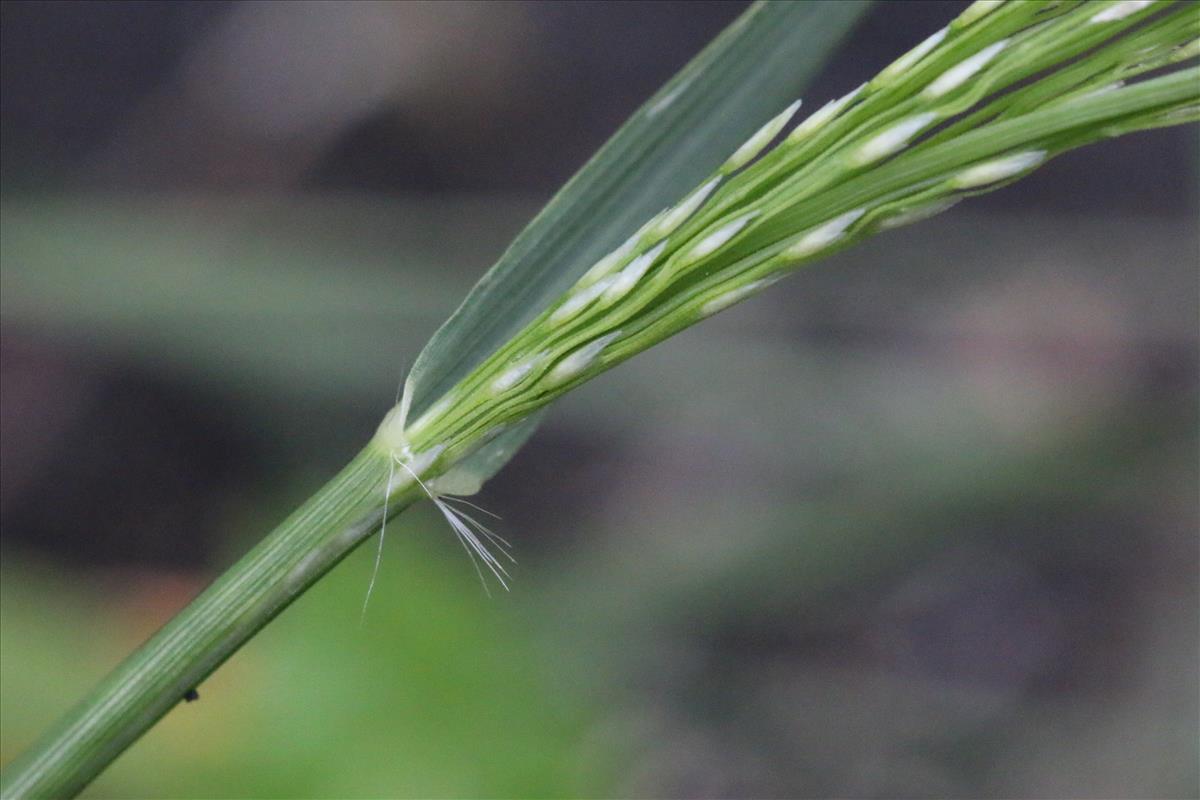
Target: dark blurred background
920, 521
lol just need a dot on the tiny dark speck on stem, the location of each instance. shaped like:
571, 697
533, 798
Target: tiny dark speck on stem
191, 695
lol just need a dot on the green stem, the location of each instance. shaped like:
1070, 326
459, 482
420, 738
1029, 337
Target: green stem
197, 640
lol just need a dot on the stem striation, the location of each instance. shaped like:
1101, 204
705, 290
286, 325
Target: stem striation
196, 641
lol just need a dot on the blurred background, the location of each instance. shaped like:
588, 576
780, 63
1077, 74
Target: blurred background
920, 521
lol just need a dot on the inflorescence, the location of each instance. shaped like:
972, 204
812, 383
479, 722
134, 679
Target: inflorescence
982, 102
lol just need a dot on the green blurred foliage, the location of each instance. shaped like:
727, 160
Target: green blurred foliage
434, 692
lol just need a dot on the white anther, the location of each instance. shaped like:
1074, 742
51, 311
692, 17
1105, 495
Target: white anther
998, 169
917, 213
675, 217
823, 115
581, 299
823, 235
724, 301
957, 75
907, 61
609, 262
1120, 10
516, 374
754, 145
628, 277
718, 238
580, 360
893, 139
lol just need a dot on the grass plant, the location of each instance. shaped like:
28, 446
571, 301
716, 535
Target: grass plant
996, 94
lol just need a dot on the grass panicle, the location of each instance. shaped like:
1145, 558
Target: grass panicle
982, 102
